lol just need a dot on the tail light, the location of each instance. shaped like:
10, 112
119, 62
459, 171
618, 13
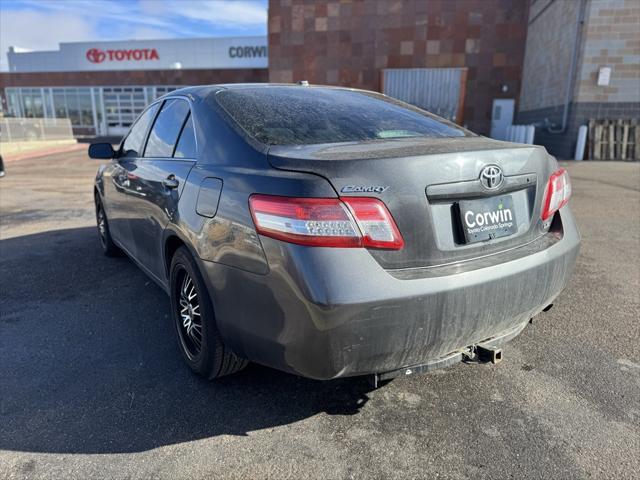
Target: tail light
556, 194
346, 222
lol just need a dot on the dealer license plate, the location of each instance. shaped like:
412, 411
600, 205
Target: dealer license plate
488, 218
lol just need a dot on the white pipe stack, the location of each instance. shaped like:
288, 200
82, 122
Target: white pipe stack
580, 144
521, 134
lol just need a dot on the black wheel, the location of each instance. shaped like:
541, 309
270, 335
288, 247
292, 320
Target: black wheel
192, 311
109, 248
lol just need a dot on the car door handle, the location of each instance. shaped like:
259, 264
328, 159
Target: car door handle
171, 181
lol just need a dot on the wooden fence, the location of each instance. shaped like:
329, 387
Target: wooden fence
614, 140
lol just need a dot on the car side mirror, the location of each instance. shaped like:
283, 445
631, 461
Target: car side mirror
101, 151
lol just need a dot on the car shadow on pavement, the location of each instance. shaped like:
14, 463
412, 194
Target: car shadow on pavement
89, 362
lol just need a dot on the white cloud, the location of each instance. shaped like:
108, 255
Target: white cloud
145, 33
43, 25
235, 13
40, 31
117, 15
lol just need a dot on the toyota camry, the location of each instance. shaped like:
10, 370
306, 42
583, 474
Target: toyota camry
333, 232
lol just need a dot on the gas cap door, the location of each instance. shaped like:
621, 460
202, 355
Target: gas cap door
208, 197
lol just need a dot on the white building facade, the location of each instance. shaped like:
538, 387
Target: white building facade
103, 86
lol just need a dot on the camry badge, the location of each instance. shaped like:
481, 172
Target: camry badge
364, 188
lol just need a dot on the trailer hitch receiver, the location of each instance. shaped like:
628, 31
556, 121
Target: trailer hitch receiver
488, 353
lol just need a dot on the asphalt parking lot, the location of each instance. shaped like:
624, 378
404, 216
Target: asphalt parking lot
92, 384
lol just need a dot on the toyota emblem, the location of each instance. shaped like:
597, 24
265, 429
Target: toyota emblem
491, 177
95, 55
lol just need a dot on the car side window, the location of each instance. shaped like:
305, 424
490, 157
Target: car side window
186, 147
165, 130
134, 142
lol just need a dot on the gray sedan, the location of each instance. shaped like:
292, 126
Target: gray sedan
333, 232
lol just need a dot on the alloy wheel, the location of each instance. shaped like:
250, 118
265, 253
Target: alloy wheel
189, 315
102, 225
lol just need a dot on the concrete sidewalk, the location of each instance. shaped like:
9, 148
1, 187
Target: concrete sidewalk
11, 152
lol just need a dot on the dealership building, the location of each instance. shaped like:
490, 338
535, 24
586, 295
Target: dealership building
103, 86
484, 64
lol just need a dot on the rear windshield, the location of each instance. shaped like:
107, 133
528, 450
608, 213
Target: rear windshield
309, 115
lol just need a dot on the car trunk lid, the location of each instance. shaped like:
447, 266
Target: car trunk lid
425, 183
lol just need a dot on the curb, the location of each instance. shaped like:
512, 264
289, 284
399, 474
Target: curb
45, 152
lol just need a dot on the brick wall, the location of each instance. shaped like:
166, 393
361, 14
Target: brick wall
131, 77
611, 39
349, 42
549, 47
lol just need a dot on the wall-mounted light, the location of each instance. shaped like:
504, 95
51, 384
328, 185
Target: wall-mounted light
604, 76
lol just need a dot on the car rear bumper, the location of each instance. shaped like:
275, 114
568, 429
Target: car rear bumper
326, 313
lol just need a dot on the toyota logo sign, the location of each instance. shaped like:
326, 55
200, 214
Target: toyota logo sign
491, 177
95, 55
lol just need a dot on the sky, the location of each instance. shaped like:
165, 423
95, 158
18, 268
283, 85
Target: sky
43, 24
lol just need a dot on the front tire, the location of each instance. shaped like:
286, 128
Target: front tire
192, 311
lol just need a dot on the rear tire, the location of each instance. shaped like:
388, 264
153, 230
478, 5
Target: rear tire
192, 311
109, 248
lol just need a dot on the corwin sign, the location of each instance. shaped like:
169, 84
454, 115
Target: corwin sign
96, 55
247, 52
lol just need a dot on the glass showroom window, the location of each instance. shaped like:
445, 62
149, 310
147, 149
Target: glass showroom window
32, 104
59, 103
84, 105
164, 90
73, 110
13, 102
112, 108
74, 104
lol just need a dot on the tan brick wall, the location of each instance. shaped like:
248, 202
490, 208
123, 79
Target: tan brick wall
550, 40
611, 38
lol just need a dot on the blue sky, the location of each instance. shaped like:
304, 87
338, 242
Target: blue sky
43, 24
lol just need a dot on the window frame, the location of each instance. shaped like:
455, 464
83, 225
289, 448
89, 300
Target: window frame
162, 101
146, 133
195, 140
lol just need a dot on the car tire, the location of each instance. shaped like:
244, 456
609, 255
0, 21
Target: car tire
109, 248
192, 311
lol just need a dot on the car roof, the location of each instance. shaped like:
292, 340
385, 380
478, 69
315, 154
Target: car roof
203, 91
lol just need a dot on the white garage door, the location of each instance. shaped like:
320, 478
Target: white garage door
438, 90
